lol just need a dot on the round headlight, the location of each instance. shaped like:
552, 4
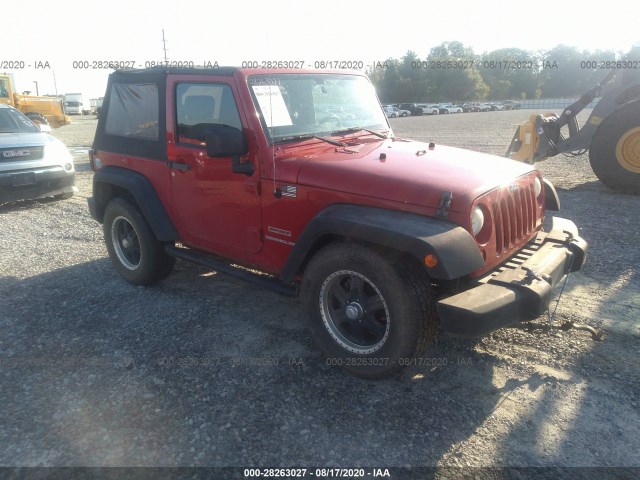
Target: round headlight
477, 220
538, 187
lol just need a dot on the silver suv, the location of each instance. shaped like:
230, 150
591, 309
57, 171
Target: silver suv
33, 164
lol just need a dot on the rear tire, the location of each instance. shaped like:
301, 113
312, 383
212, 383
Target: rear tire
614, 153
134, 250
366, 314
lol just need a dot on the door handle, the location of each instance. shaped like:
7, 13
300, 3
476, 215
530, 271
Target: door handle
179, 166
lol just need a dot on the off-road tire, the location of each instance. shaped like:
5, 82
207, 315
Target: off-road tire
135, 252
614, 153
406, 310
37, 118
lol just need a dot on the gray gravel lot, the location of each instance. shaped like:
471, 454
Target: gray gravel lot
203, 370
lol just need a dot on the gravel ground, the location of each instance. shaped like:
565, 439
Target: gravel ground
203, 370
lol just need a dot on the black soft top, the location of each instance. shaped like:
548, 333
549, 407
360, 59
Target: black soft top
140, 111
130, 74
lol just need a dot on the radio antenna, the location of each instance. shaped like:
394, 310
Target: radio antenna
276, 191
164, 47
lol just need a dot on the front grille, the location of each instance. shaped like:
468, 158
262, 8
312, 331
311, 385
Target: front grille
16, 154
518, 258
514, 216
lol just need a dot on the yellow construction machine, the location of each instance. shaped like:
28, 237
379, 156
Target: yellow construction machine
41, 110
611, 134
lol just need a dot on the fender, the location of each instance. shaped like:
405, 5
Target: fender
140, 188
409, 233
551, 199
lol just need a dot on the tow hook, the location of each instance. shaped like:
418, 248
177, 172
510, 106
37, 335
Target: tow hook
596, 333
533, 275
530, 327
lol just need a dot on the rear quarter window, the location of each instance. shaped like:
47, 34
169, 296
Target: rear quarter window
133, 111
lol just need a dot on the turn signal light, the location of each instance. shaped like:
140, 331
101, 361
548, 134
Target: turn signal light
431, 260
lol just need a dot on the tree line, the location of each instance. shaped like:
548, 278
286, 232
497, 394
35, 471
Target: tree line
453, 72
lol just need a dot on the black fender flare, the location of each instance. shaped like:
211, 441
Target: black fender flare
142, 191
551, 199
416, 235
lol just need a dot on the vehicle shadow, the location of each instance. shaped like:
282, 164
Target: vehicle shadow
18, 205
585, 414
204, 370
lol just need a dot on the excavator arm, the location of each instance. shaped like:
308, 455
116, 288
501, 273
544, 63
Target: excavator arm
540, 137
611, 134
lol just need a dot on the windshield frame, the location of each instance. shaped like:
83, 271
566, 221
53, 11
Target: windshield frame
369, 106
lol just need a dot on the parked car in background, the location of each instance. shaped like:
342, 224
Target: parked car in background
496, 107
511, 105
452, 108
410, 107
389, 111
393, 112
33, 164
484, 107
430, 109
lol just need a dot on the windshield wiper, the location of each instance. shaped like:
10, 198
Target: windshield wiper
292, 138
357, 129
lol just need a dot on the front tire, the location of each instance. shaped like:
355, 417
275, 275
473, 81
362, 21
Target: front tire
133, 248
367, 315
614, 153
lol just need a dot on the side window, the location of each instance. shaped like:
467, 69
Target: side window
199, 105
4, 87
133, 111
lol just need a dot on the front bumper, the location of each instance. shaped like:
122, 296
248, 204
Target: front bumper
35, 183
521, 289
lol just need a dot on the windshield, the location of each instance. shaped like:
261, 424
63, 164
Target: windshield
12, 121
303, 105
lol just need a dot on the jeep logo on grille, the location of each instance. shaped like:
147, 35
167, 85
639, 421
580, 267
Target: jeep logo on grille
513, 188
15, 153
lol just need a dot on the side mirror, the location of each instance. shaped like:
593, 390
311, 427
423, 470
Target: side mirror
226, 141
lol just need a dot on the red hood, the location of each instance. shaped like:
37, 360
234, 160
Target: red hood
410, 173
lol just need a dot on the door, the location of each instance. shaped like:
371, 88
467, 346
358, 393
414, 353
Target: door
215, 207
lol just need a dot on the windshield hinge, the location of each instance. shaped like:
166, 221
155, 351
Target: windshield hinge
445, 203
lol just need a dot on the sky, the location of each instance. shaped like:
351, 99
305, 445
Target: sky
85, 32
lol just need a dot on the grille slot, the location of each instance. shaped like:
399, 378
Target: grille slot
517, 260
514, 216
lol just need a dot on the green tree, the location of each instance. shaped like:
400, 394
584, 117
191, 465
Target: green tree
561, 74
513, 65
453, 77
591, 64
409, 68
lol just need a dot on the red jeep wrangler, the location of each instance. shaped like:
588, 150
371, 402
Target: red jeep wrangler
297, 174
